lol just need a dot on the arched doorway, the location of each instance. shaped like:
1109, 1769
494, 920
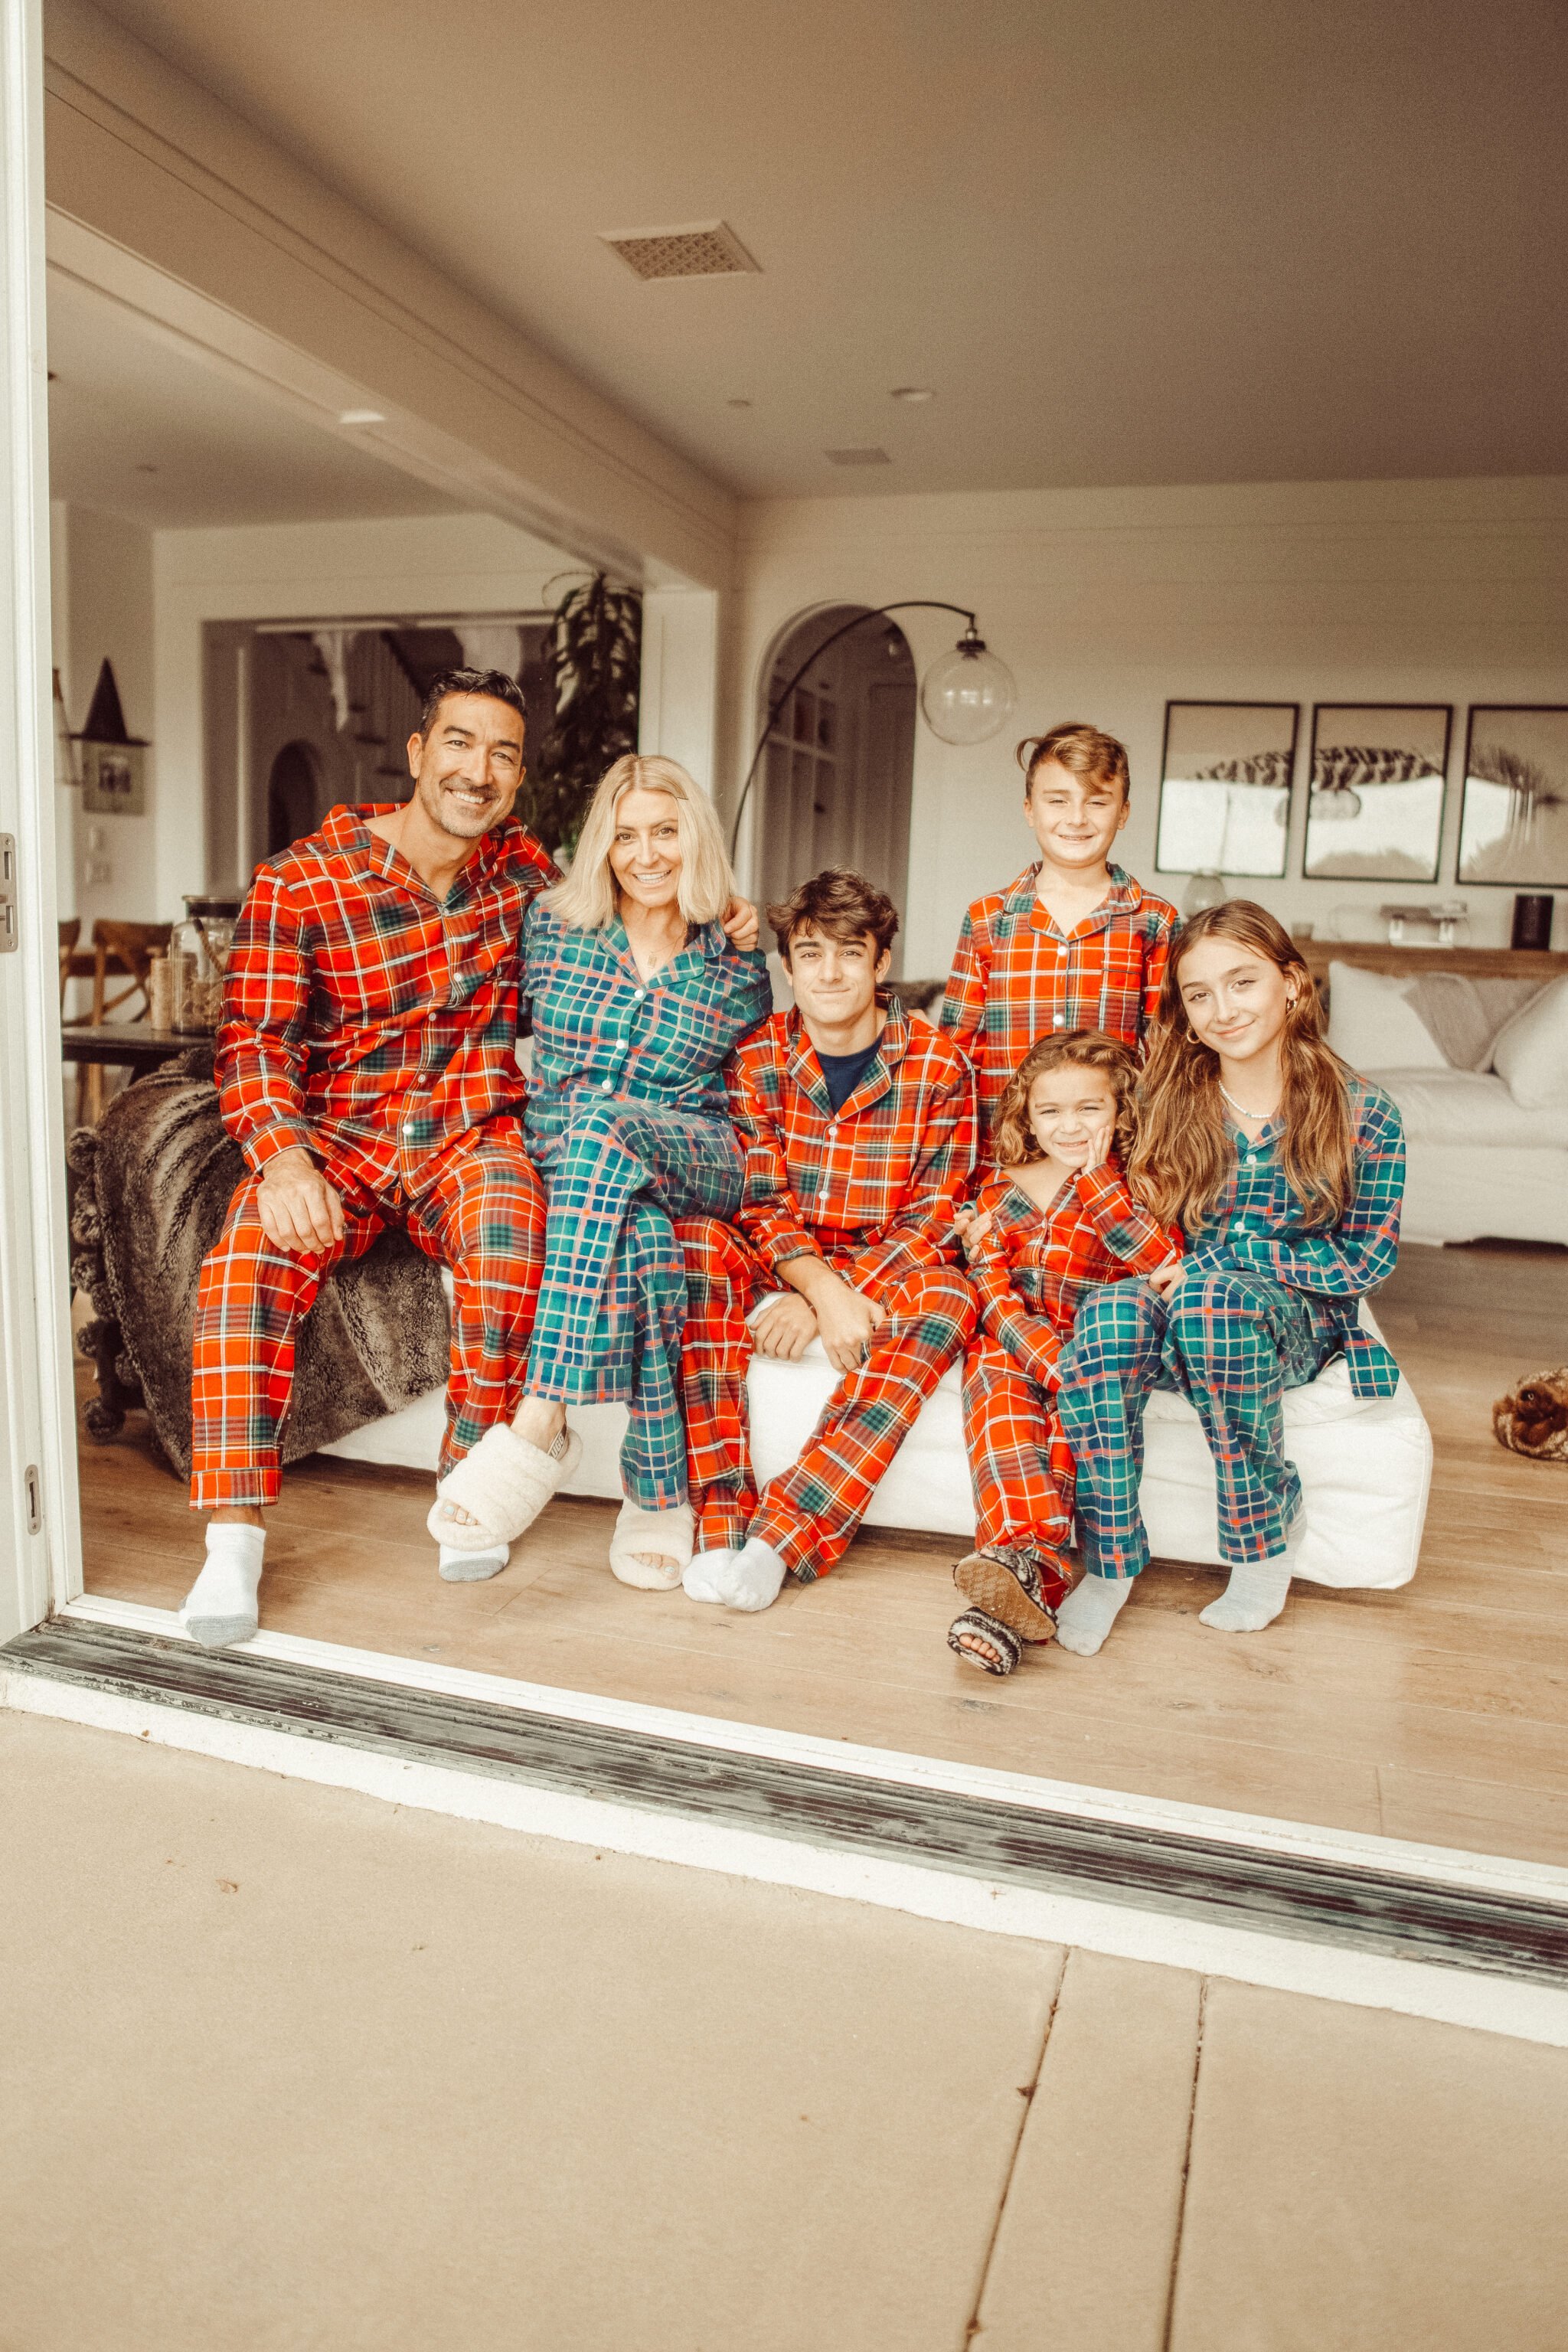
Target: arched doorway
292, 791
839, 765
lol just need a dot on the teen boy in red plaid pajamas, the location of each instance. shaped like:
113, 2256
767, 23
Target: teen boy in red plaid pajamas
367, 1067
1074, 943
860, 1131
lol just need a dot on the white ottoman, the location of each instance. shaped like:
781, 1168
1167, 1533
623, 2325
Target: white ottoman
1365, 1464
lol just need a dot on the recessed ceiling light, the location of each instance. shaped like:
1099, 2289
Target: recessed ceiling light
360, 416
737, 403
915, 394
857, 457
146, 469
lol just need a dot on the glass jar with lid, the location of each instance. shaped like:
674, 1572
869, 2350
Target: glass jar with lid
198, 959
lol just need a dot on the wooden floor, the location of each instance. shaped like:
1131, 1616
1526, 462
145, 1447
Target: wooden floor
1438, 1714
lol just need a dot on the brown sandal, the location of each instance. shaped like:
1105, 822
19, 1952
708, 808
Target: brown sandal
1007, 1588
1000, 1641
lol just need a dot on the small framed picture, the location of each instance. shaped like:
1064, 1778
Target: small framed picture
113, 779
1514, 823
1225, 787
1375, 807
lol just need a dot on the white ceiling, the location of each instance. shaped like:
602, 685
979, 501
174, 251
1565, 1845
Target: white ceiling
1123, 240
140, 429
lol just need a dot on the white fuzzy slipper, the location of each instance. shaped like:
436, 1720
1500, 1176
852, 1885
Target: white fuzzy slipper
670, 1535
503, 1483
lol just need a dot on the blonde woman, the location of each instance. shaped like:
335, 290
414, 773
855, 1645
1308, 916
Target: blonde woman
636, 996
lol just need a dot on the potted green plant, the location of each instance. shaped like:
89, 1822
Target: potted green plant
596, 657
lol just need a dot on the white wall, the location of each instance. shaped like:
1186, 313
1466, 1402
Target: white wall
406, 567
1104, 603
103, 607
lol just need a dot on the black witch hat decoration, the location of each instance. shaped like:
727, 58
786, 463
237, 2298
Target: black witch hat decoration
105, 721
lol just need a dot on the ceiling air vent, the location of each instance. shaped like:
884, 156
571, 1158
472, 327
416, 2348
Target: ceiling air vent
703, 249
857, 457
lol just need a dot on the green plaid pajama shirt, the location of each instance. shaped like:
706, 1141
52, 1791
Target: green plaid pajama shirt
1263, 1306
628, 1124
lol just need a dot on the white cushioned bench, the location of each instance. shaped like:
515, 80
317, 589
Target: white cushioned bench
1365, 1464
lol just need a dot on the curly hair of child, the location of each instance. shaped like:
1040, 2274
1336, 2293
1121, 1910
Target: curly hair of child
1013, 1140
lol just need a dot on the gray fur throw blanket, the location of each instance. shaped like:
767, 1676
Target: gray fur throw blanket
154, 1181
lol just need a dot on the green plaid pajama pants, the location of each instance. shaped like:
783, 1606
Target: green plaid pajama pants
1231, 1342
612, 1303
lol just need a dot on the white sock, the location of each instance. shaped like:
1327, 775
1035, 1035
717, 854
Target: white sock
1090, 1612
751, 1578
220, 1606
1254, 1597
708, 1574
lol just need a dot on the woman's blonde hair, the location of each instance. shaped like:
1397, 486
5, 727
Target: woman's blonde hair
585, 900
1013, 1140
1182, 1158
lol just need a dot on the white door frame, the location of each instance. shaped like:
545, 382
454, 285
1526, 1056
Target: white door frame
40, 1527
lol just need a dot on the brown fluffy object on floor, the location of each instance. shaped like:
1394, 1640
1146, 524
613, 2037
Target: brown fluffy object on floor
1535, 1420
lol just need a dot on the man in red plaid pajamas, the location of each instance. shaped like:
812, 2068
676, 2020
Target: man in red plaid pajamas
860, 1131
367, 1067
1074, 943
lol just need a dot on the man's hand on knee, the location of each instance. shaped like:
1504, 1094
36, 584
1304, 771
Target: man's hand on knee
299, 1210
785, 1330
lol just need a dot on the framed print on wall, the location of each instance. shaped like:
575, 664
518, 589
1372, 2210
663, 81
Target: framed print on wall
1514, 823
1374, 809
1225, 787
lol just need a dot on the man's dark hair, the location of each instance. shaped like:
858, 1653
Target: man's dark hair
493, 682
841, 905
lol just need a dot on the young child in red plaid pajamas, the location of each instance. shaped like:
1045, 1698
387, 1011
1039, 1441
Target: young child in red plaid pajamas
859, 1134
1074, 943
1056, 1217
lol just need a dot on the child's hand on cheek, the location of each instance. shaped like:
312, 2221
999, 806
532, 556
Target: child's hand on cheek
1100, 1141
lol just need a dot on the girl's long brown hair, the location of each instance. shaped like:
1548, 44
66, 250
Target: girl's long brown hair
1183, 1158
1012, 1143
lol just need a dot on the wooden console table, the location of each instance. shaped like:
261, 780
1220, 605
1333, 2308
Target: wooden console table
1475, 963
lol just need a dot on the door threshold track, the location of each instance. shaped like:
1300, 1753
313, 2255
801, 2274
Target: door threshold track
1283, 1914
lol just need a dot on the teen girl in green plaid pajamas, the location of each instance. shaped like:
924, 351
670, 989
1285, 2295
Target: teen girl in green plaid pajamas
1286, 1172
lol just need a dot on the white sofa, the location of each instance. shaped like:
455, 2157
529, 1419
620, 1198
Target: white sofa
1365, 1465
1487, 1147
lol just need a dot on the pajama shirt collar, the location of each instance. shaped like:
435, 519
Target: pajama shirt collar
875, 1080
1124, 897
370, 859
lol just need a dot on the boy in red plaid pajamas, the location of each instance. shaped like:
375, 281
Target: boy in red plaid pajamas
1055, 1219
367, 1067
859, 1132
1074, 943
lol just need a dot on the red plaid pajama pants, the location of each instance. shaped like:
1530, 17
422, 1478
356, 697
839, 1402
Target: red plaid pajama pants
1019, 1463
483, 1216
810, 1512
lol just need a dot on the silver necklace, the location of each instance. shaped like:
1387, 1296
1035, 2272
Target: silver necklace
1263, 1117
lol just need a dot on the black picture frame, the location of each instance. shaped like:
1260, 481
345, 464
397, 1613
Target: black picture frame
1365, 777
1532, 762
1197, 832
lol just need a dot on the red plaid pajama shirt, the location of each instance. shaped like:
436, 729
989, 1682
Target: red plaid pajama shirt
870, 1190
376, 1026
1016, 977
1029, 1271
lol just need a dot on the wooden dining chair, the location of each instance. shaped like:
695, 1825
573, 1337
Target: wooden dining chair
120, 952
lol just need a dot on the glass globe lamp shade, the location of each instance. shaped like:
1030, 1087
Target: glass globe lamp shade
1206, 890
968, 693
